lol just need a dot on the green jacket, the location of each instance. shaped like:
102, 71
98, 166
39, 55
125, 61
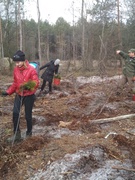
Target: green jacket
129, 64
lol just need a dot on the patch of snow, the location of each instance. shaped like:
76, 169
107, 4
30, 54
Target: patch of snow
71, 167
96, 79
53, 131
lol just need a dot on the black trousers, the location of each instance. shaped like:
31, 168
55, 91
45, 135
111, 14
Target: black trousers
28, 102
44, 84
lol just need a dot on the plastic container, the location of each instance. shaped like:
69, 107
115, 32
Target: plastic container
133, 97
56, 81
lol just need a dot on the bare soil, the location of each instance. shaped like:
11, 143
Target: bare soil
72, 105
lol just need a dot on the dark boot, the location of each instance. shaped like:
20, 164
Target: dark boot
28, 134
50, 92
46, 91
15, 138
39, 93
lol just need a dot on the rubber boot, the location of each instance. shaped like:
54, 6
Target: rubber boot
15, 138
38, 93
28, 134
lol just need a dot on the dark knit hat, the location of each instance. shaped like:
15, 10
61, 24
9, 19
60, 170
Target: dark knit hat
19, 56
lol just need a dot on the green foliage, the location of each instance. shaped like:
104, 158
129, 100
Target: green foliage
57, 76
30, 85
61, 26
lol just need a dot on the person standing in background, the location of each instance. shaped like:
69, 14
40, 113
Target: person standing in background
128, 70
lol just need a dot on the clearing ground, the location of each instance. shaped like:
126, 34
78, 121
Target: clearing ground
66, 130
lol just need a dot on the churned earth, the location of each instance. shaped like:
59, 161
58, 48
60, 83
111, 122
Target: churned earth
82, 131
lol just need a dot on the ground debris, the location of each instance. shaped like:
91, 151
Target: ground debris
77, 141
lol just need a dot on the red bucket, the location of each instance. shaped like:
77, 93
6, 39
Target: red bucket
133, 97
56, 81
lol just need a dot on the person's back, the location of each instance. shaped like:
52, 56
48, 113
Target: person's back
52, 68
36, 65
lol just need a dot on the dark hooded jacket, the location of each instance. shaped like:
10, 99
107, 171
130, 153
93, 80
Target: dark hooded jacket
49, 71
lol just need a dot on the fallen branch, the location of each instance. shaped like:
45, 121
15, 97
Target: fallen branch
67, 76
123, 168
118, 118
116, 157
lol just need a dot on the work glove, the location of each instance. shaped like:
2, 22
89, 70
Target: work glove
4, 93
30, 85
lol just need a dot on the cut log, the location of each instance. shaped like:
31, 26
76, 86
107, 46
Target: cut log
118, 118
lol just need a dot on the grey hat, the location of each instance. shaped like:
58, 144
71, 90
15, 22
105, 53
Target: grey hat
131, 51
57, 61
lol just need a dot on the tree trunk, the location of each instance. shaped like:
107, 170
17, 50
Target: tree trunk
119, 32
20, 25
74, 57
1, 41
82, 18
39, 46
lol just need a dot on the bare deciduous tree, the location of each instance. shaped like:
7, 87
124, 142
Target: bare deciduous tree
20, 26
1, 41
39, 47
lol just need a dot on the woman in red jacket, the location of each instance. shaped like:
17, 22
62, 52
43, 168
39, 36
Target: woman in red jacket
24, 85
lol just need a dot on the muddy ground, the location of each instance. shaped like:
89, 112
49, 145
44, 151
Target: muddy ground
62, 126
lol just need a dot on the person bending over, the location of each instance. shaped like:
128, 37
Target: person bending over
52, 68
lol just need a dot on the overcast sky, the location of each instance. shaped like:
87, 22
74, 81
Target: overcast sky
51, 10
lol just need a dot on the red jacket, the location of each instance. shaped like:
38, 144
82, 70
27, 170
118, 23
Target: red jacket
21, 76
